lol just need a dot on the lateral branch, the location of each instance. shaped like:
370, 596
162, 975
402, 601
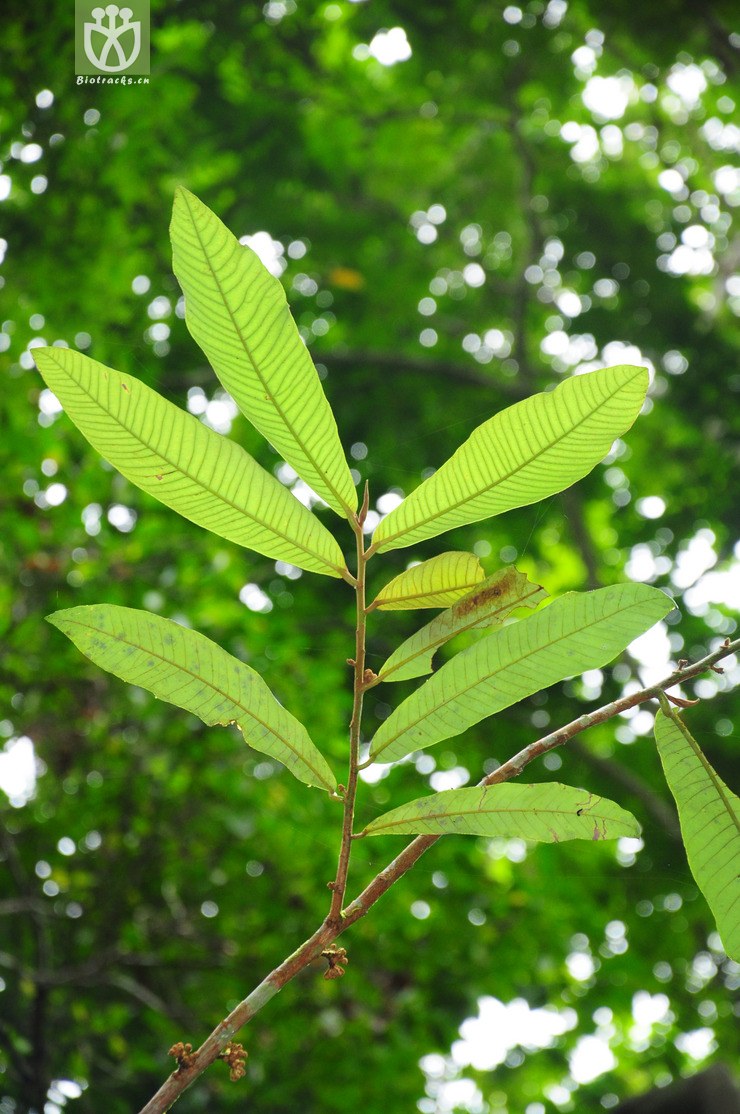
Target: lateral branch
311, 949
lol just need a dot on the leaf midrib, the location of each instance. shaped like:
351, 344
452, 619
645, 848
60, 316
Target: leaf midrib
542, 812
709, 770
502, 479
382, 601
462, 692
196, 479
203, 680
434, 645
256, 368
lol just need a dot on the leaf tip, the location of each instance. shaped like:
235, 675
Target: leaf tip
643, 375
182, 195
183, 203
629, 373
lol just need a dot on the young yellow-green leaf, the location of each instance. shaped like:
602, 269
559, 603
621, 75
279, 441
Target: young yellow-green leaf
546, 813
709, 814
238, 314
486, 606
523, 454
437, 582
171, 455
581, 630
189, 670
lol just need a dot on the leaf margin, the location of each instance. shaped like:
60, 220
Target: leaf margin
715, 897
483, 802
487, 647
65, 371
96, 643
447, 617
455, 563
459, 463
339, 493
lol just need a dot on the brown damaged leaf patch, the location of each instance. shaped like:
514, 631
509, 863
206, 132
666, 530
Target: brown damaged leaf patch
478, 599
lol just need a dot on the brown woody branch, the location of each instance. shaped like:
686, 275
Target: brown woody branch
312, 948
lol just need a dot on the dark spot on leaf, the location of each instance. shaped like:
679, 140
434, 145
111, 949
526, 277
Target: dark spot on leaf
472, 603
484, 595
579, 812
125, 388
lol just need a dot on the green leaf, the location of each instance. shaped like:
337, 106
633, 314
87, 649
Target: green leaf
523, 454
238, 314
709, 814
581, 630
189, 670
433, 583
168, 453
486, 606
546, 813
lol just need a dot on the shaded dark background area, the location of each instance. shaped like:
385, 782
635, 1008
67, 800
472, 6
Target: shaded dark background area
463, 211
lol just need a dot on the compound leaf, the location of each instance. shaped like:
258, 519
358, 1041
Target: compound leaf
709, 814
238, 313
486, 606
546, 813
581, 630
521, 455
189, 670
434, 583
168, 453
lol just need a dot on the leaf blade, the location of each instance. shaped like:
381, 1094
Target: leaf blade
238, 314
158, 655
168, 453
521, 455
487, 605
545, 813
581, 630
437, 582
709, 815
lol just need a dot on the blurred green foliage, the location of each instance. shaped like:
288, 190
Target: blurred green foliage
458, 229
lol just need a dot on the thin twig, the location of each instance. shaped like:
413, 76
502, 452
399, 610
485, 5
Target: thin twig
414, 850
311, 949
515, 765
213, 1045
